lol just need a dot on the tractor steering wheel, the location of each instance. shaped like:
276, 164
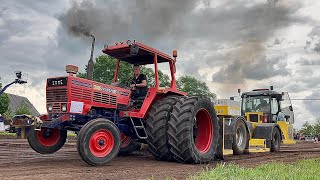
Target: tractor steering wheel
129, 82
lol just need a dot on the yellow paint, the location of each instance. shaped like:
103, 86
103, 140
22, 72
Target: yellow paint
258, 143
96, 87
227, 151
287, 131
23, 132
221, 110
251, 150
259, 114
227, 107
258, 150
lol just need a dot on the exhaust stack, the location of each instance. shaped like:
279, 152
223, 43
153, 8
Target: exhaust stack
90, 63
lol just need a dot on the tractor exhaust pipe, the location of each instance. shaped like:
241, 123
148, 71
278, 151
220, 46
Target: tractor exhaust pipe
90, 63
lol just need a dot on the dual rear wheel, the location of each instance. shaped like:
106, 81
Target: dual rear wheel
184, 129
193, 130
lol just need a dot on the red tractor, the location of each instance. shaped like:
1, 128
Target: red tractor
107, 120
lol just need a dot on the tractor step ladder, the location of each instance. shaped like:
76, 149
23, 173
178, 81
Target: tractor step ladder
139, 128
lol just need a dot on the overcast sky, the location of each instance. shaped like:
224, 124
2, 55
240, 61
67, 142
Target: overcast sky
230, 44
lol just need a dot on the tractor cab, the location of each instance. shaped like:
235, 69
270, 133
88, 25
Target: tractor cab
266, 108
136, 53
269, 104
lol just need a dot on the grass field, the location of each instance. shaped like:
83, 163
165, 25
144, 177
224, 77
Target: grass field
304, 169
7, 134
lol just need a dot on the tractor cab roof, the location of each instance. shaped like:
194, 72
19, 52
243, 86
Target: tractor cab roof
262, 92
136, 53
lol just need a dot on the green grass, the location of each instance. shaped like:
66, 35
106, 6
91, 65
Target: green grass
7, 134
304, 169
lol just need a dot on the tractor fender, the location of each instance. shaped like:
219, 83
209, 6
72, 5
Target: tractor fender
264, 131
229, 129
86, 109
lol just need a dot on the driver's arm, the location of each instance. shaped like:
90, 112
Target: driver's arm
143, 84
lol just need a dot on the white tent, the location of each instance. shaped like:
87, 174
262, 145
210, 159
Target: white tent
2, 127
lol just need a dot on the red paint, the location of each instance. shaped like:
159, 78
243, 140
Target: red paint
44, 117
101, 143
265, 118
204, 136
125, 140
94, 94
48, 140
116, 71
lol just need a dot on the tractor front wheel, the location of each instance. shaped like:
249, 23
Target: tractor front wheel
98, 142
46, 141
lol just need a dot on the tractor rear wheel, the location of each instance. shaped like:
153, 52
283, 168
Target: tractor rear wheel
98, 142
128, 145
276, 140
240, 138
46, 141
194, 130
157, 128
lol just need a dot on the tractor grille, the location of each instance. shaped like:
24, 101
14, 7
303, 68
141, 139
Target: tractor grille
253, 117
56, 107
79, 93
57, 95
105, 98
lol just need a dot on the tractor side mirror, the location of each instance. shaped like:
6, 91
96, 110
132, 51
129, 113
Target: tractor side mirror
290, 108
287, 117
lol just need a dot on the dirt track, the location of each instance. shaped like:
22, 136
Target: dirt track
19, 161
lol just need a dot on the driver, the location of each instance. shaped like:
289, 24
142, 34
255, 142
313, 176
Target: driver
263, 106
138, 83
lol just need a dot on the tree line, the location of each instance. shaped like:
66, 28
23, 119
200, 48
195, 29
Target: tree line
311, 129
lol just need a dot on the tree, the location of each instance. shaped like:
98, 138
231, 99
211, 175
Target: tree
22, 109
4, 102
192, 86
307, 129
316, 127
8, 114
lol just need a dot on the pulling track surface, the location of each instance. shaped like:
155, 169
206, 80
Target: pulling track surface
19, 161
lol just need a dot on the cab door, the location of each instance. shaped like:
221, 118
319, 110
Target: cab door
286, 107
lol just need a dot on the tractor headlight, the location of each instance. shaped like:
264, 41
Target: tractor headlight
64, 107
49, 107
